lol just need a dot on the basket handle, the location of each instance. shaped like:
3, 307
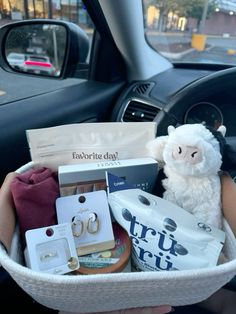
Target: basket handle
25, 167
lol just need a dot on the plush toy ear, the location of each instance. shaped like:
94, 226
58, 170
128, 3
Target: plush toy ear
222, 130
156, 147
170, 129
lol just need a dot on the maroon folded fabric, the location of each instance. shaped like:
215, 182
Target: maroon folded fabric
34, 193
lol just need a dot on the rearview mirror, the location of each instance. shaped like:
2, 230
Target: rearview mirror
43, 47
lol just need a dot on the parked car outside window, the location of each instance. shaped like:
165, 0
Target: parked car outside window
16, 60
38, 65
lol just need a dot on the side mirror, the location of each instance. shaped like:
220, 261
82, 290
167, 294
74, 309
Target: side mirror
43, 47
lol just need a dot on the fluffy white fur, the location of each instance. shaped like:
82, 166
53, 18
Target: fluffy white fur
192, 160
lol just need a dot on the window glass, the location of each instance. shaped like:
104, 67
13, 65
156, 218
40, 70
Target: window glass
67, 10
192, 30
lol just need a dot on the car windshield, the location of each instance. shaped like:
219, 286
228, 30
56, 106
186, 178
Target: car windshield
196, 31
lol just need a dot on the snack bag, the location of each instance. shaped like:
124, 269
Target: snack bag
164, 236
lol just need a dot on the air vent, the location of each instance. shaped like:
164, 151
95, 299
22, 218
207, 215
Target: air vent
138, 111
143, 89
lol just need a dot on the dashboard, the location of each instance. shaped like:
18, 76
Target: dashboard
155, 100
213, 114
180, 96
206, 113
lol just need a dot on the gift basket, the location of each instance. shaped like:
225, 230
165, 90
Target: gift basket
112, 291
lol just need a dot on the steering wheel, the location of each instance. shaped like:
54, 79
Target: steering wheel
195, 92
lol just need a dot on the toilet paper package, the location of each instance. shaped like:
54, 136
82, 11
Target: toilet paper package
164, 236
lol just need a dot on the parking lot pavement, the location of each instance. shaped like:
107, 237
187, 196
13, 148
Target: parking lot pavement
213, 54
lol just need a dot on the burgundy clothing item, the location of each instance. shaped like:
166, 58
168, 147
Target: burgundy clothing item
34, 193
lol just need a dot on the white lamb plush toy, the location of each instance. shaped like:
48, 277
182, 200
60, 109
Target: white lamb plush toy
192, 161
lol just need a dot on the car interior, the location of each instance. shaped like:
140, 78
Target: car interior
119, 78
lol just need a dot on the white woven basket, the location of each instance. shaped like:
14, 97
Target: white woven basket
106, 292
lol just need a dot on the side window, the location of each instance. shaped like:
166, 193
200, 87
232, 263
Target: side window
40, 50
75, 12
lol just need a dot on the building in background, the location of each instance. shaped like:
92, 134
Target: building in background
222, 21
164, 16
69, 10
225, 19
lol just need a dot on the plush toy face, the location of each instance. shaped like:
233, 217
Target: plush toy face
190, 149
190, 154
